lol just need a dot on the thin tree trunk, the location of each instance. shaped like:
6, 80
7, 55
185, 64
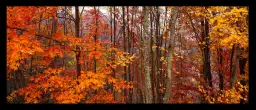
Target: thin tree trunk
164, 54
152, 54
65, 33
142, 90
129, 50
114, 73
231, 61
131, 75
77, 23
206, 51
169, 56
148, 91
95, 37
221, 79
156, 76
242, 63
124, 47
234, 70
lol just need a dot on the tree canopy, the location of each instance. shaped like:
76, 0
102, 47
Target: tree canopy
127, 54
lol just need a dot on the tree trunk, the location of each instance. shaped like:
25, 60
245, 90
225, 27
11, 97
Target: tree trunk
142, 88
114, 40
156, 80
234, 70
124, 47
95, 38
221, 79
169, 56
206, 51
129, 51
148, 91
242, 63
153, 68
77, 23
231, 61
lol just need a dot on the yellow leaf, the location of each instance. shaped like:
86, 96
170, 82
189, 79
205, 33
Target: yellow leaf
162, 58
169, 8
162, 48
154, 47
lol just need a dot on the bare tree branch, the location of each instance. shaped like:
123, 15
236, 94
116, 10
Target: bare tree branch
81, 12
65, 18
69, 14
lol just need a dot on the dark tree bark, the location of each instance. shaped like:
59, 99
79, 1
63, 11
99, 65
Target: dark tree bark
231, 61
95, 37
206, 51
129, 51
77, 25
221, 79
242, 63
235, 68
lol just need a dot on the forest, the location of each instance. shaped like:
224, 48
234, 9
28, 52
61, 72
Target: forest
127, 54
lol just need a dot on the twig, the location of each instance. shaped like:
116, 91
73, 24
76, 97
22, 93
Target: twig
81, 12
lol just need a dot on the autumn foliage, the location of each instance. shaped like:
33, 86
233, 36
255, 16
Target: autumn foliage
130, 54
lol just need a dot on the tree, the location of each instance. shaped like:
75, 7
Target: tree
170, 52
127, 54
